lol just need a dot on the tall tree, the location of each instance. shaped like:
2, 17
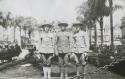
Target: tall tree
112, 9
96, 10
101, 10
123, 29
8, 23
30, 25
13, 23
19, 22
111, 24
5, 21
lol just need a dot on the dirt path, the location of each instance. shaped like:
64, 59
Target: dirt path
30, 72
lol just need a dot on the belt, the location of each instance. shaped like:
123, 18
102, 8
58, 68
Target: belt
62, 55
47, 55
78, 54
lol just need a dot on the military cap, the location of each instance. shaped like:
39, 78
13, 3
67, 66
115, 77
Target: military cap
63, 24
77, 24
40, 26
46, 25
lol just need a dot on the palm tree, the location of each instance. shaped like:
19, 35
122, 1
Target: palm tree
19, 22
95, 34
13, 23
111, 24
96, 10
1, 20
8, 22
5, 21
112, 8
101, 10
122, 29
30, 32
25, 27
30, 23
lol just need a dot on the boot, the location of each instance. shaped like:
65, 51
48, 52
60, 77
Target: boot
45, 72
66, 75
49, 72
77, 70
61, 75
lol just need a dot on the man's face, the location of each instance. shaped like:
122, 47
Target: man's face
78, 28
46, 29
63, 28
41, 29
74, 29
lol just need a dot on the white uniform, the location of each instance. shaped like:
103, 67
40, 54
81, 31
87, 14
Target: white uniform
79, 42
79, 45
63, 42
47, 48
47, 43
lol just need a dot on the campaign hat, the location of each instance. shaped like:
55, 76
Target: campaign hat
63, 24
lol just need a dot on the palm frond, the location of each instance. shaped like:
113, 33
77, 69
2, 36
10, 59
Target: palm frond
117, 7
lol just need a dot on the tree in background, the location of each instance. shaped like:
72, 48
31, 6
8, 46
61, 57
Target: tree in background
13, 23
123, 29
99, 9
5, 21
95, 11
30, 25
19, 22
112, 8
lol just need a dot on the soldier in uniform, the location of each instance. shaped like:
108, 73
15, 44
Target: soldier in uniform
46, 49
63, 45
79, 45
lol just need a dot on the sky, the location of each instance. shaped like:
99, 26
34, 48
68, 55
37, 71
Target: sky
49, 10
52, 10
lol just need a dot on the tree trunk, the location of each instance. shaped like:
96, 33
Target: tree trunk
20, 32
20, 37
111, 24
25, 33
14, 33
95, 31
29, 34
3, 33
90, 35
7, 34
101, 29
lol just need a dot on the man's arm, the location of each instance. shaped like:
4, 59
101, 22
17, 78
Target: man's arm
87, 41
39, 43
55, 44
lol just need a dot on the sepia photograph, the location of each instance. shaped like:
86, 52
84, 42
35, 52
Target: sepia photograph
62, 39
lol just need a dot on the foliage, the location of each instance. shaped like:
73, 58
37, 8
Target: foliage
30, 24
19, 21
123, 21
94, 9
5, 19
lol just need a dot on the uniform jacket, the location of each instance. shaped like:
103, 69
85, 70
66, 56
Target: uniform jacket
79, 42
47, 43
63, 42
